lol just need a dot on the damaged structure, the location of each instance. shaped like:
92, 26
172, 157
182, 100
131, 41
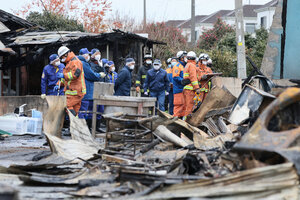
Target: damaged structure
30, 46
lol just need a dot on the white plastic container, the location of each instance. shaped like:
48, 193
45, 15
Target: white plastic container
21, 125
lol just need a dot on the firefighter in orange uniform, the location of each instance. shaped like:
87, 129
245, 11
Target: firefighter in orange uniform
177, 71
73, 79
202, 75
191, 85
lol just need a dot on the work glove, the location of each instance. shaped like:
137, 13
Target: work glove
60, 75
198, 91
43, 96
167, 93
138, 89
55, 88
145, 93
185, 82
203, 77
102, 74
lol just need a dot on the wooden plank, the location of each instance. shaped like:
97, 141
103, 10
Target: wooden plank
101, 89
216, 98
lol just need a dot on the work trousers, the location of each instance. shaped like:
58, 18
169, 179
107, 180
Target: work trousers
87, 105
188, 101
74, 102
160, 96
178, 105
171, 102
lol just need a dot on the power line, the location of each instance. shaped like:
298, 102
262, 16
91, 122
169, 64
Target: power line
52, 20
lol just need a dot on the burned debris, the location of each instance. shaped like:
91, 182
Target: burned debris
163, 157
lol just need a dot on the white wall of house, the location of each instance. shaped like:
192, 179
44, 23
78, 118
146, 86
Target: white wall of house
250, 23
199, 28
265, 16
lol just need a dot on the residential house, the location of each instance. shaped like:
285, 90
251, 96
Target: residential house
255, 16
174, 23
265, 15
202, 23
250, 18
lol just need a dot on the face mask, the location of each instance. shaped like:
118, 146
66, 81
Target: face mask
64, 59
185, 59
204, 62
87, 57
113, 69
156, 67
97, 57
148, 62
131, 67
173, 63
57, 63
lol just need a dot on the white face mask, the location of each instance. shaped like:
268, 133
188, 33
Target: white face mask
113, 69
185, 59
97, 57
173, 63
87, 57
57, 63
63, 60
131, 67
204, 62
156, 67
149, 62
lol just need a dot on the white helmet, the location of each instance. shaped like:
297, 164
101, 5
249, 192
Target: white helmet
180, 54
203, 56
169, 60
191, 55
62, 51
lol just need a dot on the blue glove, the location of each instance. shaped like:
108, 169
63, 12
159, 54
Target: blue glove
55, 88
60, 75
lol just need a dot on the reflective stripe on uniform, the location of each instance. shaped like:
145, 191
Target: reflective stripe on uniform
71, 92
70, 75
142, 90
138, 82
203, 90
186, 75
144, 76
195, 83
83, 83
188, 87
209, 85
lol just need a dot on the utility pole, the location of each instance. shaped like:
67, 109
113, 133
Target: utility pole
144, 13
193, 37
240, 39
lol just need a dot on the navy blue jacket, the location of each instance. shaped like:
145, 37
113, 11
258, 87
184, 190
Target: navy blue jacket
49, 79
97, 68
90, 77
157, 80
123, 82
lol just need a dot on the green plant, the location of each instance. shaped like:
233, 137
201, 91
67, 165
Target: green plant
52, 22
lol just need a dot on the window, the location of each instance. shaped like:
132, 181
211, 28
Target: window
196, 35
263, 22
250, 27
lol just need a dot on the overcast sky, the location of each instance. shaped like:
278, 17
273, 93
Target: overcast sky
157, 10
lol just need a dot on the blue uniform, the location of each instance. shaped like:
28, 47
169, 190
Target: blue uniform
169, 70
97, 68
90, 77
178, 77
123, 82
112, 77
157, 82
49, 79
